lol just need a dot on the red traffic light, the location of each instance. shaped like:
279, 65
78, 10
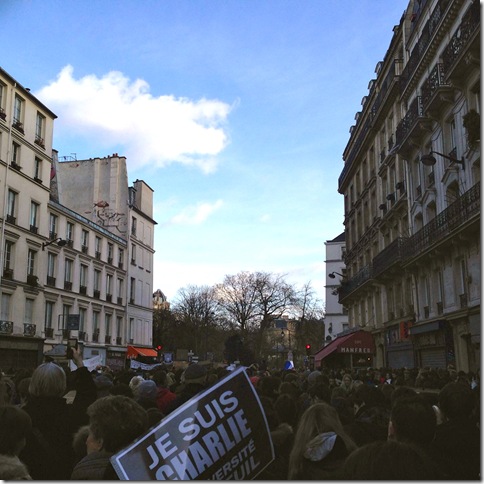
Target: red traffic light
308, 347
159, 347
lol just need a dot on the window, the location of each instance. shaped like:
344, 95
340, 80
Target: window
7, 263
110, 252
40, 129
133, 225
109, 284
84, 240
3, 90
70, 231
11, 206
82, 319
49, 314
31, 262
119, 325
29, 310
131, 329
132, 290
95, 322
17, 110
52, 226
34, 216
97, 279
120, 288
38, 170
15, 154
83, 276
51, 263
5, 307
133, 254
107, 322
120, 258
66, 310
97, 247
68, 270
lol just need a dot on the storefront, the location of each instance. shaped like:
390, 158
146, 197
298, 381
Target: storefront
399, 346
352, 350
434, 344
142, 355
20, 352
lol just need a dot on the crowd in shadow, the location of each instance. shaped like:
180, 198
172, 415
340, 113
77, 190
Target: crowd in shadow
401, 424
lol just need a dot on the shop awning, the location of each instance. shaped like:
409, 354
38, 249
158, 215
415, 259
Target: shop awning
359, 342
134, 351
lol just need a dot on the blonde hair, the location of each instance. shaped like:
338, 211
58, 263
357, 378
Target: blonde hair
317, 419
48, 380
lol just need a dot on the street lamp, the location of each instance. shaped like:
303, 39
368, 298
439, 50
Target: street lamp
331, 275
60, 242
429, 160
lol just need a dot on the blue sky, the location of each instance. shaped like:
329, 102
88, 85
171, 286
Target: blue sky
235, 112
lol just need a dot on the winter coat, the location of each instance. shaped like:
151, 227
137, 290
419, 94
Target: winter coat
48, 453
163, 399
96, 466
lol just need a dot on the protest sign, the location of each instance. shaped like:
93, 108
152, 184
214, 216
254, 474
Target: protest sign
220, 434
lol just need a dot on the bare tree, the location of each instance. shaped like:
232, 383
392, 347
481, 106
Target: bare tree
237, 297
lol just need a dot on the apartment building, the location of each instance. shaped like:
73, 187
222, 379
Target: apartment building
411, 185
77, 244
336, 315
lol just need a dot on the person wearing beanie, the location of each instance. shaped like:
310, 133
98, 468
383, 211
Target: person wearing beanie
103, 385
194, 380
145, 394
134, 382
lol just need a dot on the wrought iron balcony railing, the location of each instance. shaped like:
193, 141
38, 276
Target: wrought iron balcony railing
6, 327
29, 329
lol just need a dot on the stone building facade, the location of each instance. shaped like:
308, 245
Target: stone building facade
411, 185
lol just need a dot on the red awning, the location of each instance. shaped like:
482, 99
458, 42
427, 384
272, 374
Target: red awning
134, 351
359, 342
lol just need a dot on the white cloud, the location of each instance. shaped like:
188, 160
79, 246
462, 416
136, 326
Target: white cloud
195, 215
117, 111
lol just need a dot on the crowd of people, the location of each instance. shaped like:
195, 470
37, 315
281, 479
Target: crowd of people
344, 424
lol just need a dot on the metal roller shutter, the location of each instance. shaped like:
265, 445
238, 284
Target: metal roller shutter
434, 358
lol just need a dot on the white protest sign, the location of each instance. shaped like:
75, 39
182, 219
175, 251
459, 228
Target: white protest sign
220, 434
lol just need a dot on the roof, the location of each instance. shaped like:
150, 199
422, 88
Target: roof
340, 238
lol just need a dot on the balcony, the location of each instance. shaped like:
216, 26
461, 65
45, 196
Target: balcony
51, 281
119, 340
426, 311
11, 219
29, 329
96, 294
131, 300
34, 229
69, 243
120, 300
39, 141
68, 285
66, 333
95, 337
84, 249
15, 166
83, 290
18, 126
82, 336
454, 216
412, 127
32, 280
440, 308
389, 256
52, 235
107, 339
49, 332
6, 327
37, 179
8, 273
347, 287
463, 300
436, 91
133, 262
120, 264
98, 255
3, 114
110, 260
463, 49
109, 297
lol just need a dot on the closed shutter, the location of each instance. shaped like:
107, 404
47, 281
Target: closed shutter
434, 358
400, 359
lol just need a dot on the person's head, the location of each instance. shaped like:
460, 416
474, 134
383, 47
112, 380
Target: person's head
15, 425
79, 443
389, 460
114, 422
401, 392
317, 419
367, 395
286, 409
195, 373
159, 377
48, 380
134, 382
456, 400
347, 380
412, 420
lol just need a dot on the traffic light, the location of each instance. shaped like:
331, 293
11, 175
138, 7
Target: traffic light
159, 348
308, 349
